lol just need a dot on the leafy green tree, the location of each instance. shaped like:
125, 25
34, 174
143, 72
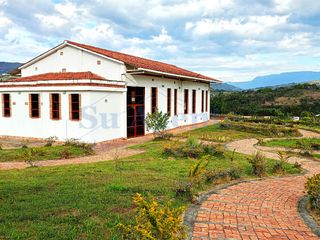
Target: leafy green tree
157, 122
306, 114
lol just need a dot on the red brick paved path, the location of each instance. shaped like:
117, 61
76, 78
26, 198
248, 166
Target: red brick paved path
265, 209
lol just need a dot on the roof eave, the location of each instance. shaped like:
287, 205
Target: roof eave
95, 53
43, 55
146, 71
65, 43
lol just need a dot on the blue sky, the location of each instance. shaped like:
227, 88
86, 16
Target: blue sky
232, 40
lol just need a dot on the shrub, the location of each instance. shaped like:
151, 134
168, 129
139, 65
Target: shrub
279, 166
157, 122
72, 142
191, 149
297, 165
307, 115
313, 190
196, 170
195, 178
153, 221
258, 164
29, 155
87, 147
234, 173
260, 128
210, 150
65, 154
184, 189
192, 142
217, 175
50, 141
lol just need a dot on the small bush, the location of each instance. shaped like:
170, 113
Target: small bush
279, 166
72, 142
190, 149
50, 141
313, 190
153, 221
223, 175
87, 147
65, 154
193, 142
258, 164
157, 122
30, 154
195, 178
210, 150
234, 173
297, 165
184, 189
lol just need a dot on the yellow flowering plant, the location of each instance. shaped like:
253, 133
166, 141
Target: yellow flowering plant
154, 222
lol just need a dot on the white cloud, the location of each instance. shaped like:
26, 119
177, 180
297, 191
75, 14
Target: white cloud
163, 37
51, 21
136, 51
246, 26
188, 9
69, 9
4, 21
98, 34
171, 48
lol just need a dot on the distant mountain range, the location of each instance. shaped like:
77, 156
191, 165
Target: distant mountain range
6, 67
225, 87
277, 79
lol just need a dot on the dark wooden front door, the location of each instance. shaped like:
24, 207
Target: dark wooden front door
135, 112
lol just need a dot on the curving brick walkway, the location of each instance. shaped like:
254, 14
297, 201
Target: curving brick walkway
265, 209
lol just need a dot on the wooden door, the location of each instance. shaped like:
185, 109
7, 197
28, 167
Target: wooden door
135, 112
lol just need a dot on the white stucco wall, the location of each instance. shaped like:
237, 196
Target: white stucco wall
75, 60
99, 109
163, 84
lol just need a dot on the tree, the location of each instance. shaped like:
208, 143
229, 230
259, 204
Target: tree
306, 114
157, 122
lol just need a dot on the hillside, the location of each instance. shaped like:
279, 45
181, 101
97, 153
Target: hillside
291, 99
8, 66
225, 87
278, 79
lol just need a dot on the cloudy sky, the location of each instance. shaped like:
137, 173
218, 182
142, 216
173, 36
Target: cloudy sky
232, 40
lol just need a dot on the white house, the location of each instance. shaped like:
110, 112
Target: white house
93, 94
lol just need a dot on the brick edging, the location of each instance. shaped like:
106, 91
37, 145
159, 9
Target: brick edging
307, 218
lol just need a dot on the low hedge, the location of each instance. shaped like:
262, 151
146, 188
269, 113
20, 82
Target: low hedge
271, 130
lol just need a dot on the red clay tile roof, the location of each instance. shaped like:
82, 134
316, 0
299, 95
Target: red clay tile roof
60, 76
139, 62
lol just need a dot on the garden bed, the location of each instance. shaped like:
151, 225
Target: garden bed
303, 144
45, 153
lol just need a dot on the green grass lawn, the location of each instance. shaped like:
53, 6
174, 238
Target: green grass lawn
317, 156
293, 143
87, 201
217, 134
42, 153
